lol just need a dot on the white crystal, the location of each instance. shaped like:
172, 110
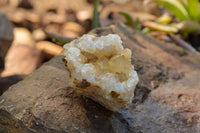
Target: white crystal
101, 69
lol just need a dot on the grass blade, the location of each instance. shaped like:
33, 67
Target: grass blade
95, 18
175, 7
128, 18
138, 25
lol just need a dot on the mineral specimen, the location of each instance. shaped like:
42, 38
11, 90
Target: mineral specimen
101, 69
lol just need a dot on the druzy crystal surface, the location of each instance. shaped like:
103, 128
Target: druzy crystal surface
100, 68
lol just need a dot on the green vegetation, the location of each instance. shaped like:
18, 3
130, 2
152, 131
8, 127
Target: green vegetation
95, 18
61, 40
186, 12
182, 10
132, 23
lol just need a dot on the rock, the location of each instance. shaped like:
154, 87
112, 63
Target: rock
38, 35
25, 4
6, 82
14, 3
10, 124
72, 29
49, 49
53, 28
3, 2
24, 18
50, 17
23, 57
166, 98
1, 64
23, 37
83, 15
6, 35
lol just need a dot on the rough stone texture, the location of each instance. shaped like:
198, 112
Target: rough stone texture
6, 82
166, 98
10, 124
6, 34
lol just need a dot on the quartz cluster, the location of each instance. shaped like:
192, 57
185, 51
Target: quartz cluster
100, 68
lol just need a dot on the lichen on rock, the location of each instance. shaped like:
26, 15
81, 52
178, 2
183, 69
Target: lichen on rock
101, 69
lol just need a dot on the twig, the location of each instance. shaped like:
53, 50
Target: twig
104, 6
183, 44
58, 38
102, 9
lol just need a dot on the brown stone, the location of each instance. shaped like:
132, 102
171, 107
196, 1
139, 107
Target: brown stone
10, 124
166, 99
83, 15
49, 49
72, 29
39, 35
6, 34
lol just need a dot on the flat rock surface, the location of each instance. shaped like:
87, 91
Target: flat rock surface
166, 98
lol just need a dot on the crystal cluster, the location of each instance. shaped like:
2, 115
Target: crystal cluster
101, 69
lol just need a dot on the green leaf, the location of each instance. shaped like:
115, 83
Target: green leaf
176, 8
95, 18
193, 9
164, 19
138, 24
128, 18
184, 4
